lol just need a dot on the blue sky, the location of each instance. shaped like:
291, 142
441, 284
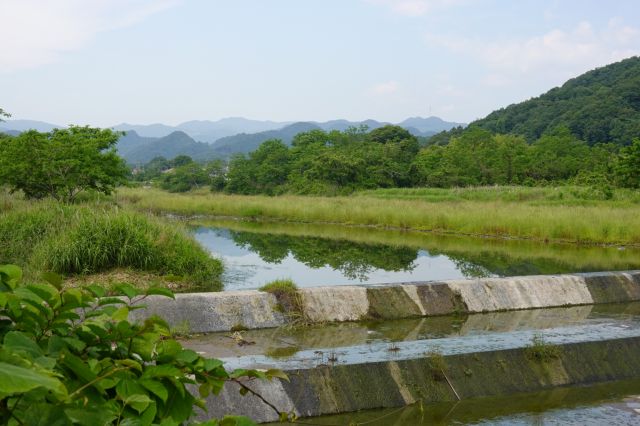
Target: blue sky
102, 62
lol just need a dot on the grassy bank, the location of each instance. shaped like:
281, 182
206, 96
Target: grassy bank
94, 238
528, 213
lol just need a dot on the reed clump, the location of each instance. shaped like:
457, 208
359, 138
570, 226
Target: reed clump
96, 237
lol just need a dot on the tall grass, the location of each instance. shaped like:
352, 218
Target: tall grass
595, 222
93, 238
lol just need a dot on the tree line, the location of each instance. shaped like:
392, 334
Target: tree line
330, 163
64, 163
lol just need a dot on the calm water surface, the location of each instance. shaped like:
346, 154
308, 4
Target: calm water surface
311, 255
600, 405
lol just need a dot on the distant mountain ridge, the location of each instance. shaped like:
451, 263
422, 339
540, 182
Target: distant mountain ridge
199, 139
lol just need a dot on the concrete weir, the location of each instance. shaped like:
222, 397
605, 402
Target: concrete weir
430, 378
252, 309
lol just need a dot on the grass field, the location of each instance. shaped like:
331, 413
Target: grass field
90, 240
564, 214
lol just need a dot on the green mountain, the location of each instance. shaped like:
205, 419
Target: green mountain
602, 105
247, 142
136, 149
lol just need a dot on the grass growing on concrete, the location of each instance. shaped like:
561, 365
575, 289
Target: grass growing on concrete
93, 238
289, 300
542, 351
528, 213
280, 286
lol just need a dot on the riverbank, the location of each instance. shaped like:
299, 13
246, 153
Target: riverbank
565, 214
96, 242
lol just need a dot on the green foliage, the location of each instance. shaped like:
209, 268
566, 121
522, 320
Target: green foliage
280, 286
62, 163
627, 167
81, 239
479, 158
72, 357
3, 114
602, 105
184, 178
321, 162
542, 351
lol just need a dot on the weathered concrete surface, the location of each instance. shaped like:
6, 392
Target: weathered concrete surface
522, 292
208, 312
340, 303
433, 378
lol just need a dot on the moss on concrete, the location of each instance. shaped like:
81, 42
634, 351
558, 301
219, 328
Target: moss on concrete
391, 302
612, 288
439, 299
348, 388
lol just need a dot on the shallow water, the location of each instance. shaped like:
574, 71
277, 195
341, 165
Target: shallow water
349, 343
604, 404
257, 253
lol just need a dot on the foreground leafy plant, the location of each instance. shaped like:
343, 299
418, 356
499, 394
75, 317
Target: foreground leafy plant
72, 357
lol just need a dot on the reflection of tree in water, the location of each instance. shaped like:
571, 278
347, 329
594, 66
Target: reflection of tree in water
489, 263
354, 260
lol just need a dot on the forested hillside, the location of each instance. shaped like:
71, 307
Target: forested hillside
602, 105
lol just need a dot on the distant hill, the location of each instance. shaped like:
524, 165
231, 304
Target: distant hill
244, 143
224, 137
156, 130
139, 150
204, 130
602, 105
22, 125
429, 125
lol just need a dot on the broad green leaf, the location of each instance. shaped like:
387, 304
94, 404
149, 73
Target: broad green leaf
163, 370
273, 372
187, 355
97, 290
146, 419
91, 416
14, 379
128, 290
156, 388
12, 273
121, 314
127, 387
138, 402
20, 342
53, 279
160, 291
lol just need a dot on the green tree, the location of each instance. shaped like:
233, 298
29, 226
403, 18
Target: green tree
3, 113
558, 156
62, 163
185, 178
216, 171
627, 167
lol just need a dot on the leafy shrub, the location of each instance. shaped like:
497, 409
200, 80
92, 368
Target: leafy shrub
72, 357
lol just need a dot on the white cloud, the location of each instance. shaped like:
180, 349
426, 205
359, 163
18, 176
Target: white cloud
558, 51
386, 88
37, 32
413, 7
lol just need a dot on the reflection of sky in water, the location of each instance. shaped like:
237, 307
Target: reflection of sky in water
246, 270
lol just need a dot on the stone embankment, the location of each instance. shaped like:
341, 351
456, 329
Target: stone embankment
431, 378
252, 309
